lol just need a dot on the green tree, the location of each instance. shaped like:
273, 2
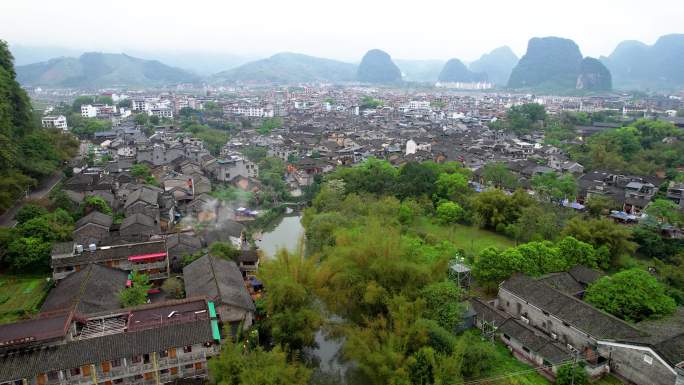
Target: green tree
449, 212
137, 293
224, 250
632, 295
140, 171
140, 119
478, 356
29, 254
601, 232
415, 179
293, 316
239, 366
422, 367
664, 211
452, 186
499, 176
570, 374
599, 205
95, 203
442, 303
154, 120
551, 186
28, 212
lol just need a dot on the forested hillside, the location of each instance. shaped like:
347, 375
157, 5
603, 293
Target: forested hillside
27, 152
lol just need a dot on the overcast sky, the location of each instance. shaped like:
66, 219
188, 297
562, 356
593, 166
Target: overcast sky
419, 29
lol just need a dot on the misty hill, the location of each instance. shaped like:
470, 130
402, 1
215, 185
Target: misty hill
94, 69
289, 68
594, 76
420, 70
637, 65
556, 64
497, 64
377, 67
549, 63
455, 71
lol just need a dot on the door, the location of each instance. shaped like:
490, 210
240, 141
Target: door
85, 370
106, 366
172, 353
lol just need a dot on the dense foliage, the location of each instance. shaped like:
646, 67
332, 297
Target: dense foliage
27, 152
632, 294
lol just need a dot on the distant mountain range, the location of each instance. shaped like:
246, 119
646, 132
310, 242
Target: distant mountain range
635, 65
95, 69
550, 64
556, 64
289, 68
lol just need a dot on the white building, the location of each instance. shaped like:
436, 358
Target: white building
92, 111
163, 112
419, 105
249, 111
139, 104
88, 111
55, 122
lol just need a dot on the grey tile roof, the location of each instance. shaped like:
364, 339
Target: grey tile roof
92, 290
143, 194
585, 275
564, 282
95, 217
570, 309
219, 280
83, 352
536, 342
487, 312
137, 218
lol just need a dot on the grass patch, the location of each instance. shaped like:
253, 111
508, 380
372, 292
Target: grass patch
503, 363
608, 380
20, 295
471, 239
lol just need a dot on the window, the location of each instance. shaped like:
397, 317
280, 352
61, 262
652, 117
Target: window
567, 325
138, 377
116, 363
136, 359
118, 381
53, 376
74, 371
526, 350
506, 336
187, 349
164, 371
648, 359
188, 366
174, 371
163, 354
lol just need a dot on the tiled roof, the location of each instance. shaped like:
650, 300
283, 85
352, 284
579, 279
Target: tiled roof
95, 217
570, 309
92, 290
217, 279
536, 342
83, 352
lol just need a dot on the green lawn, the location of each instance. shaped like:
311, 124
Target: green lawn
20, 296
472, 239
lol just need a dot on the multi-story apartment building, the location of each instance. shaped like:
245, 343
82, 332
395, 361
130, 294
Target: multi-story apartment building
59, 121
150, 344
150, 258
544, 322
248, 111
232, 166
95, 110
161, 112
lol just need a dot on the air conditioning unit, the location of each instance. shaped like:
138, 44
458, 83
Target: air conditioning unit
92, 247
79, 249
554, 336
571, 348
525, 319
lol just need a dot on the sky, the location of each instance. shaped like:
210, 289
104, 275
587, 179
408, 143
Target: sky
344, 30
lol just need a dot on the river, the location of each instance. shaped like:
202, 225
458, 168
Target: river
285, 235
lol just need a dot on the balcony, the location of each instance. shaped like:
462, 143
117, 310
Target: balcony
148, 266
